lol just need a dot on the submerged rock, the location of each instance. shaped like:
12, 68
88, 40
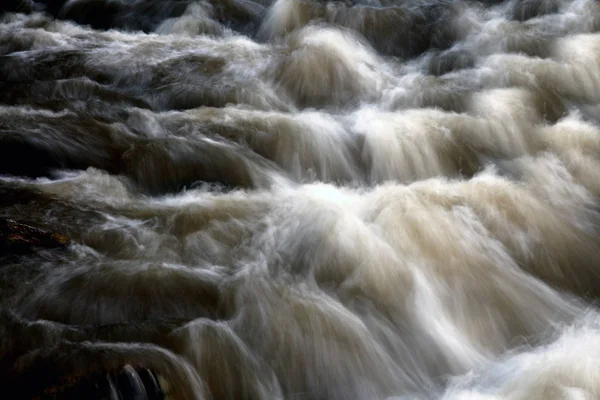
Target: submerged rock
529, 9
450, 61
18, 238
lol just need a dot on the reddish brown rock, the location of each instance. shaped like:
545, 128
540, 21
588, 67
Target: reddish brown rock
18, 238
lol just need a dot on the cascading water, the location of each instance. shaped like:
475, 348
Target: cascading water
305, 199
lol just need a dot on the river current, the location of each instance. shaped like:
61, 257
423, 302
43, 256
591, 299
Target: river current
305, 199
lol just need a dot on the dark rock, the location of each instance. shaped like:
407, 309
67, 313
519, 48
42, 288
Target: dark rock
21, 158
489, 2
51, 6
169, 165
74, 94
130, 385
527, 9
19, 6
99, 14
18, 238
122, 384
11, 195
146, 15
153, 389
51, 65
37, 146
133, 15
449, 61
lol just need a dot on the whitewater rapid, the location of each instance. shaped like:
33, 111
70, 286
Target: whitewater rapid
304, 199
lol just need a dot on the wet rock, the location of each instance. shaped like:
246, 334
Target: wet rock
490, 2
448, 61
80, 95
150, 382
11, 194
19, 157
38, 145
98, 14
18, 238
144, 15
125, 383
48, 65
164, 166
527, 9
130, 384
18, 6
51, 6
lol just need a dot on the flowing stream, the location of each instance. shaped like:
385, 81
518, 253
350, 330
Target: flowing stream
307, 199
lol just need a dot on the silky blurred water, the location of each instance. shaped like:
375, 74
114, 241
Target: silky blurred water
305, 199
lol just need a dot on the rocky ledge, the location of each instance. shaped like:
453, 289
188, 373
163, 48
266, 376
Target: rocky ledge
126, 383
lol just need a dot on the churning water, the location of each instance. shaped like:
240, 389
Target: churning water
305, 199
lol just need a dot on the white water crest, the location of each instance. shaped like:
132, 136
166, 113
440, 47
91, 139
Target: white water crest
305, 199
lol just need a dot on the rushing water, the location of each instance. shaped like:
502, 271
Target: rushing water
304, 199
